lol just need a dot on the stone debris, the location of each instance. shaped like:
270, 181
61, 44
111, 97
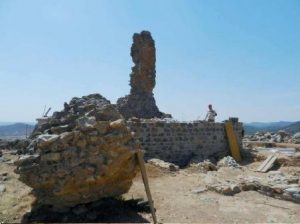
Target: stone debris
140, 102
293, 192
275, 184
18, 144
296, 138
82, 154
274, 137
2, 188
204, 166
228, 161
199, 190
163, 164
4, 177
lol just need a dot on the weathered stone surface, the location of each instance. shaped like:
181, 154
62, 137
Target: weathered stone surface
228, 161
296, 138
18, 144
92, 158
140, 102
2, 188
275, 184
204, 166
199, 190
274, 137
182, 143
164, 165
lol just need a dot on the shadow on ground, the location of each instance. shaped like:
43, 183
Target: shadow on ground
107, 210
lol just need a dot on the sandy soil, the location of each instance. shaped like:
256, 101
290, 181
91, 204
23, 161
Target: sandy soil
178, 196
176, 201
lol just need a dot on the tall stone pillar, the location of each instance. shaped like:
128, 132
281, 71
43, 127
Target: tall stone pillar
140, 102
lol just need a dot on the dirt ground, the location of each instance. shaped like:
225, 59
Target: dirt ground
177, 200
178, 197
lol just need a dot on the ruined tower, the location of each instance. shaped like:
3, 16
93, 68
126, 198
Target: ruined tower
140, 102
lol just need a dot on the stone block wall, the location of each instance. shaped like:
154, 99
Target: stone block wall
182, 142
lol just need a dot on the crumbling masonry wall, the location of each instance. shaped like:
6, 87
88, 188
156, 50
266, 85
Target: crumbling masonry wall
182, 142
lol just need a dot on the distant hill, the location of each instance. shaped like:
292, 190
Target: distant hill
6, 123
15, 130
288, 126
293, 128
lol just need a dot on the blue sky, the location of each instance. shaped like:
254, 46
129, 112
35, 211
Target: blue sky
242, 56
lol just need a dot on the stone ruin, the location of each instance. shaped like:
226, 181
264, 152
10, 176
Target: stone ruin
183, 142
140, 102
81, 154
86, 152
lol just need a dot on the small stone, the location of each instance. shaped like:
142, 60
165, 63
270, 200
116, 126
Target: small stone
226, 190
46, 139
293, 190
173, 167
117, 124
297, 197
2, 188
143, 203
86, 123
205, 166
235, 189
228, 161
66, 136
199, 190
26, 159
163, 164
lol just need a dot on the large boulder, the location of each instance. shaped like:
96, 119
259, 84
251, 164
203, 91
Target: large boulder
81, 154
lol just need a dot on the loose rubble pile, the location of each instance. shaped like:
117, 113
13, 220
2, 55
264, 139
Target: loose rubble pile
296, 138
164, 165
207, 165
275, 184
279, 137
204, 166
81, 154
18, 144
228, 161
140, 102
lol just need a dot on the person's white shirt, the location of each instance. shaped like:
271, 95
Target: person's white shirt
210, 116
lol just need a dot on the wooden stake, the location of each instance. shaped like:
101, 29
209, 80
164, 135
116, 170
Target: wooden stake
140, 160
232, 141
